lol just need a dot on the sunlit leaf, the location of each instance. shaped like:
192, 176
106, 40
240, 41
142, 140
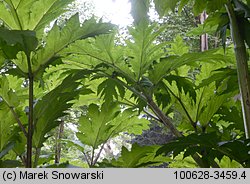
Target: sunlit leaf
102, 123
31, 14
59, 38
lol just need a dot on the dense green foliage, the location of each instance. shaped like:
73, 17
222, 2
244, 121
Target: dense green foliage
78, 75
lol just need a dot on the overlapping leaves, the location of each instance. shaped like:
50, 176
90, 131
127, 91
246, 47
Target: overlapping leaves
211, 145
14, 41
138, 156
54, 104
59, 38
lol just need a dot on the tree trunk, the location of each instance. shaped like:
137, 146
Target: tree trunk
204, 37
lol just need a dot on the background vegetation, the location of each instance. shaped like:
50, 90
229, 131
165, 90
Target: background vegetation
80, 92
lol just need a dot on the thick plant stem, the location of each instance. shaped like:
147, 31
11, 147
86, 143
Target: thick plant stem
242, 67
37, 154
30, 119
58, 147
165, 120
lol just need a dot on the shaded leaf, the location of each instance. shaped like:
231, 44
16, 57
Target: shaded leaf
10, 164
210, 145
6, 149
184, 84
212, 106
110, 89
139, 156
213, 5
232, 115
13, 41
226, 78
199, 6
242, 7
61, 165
53, 106
162, 95
139, 11
6, 125
244, 28
170, 63
163, 6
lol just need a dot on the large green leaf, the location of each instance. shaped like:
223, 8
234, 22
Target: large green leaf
211, 145
130, 62
184, 84
139, 10
109, 89
213, 5
13, 41
163, 6
142, 49
101, 53
128, 121
139, 156
204, 102
31, 14
178, 47
170, 63
59, 38
199, 6
212, 106
6, 149
7, 94
225, 80
53, 106
6, 126
95, 127
101, 124
10, 164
